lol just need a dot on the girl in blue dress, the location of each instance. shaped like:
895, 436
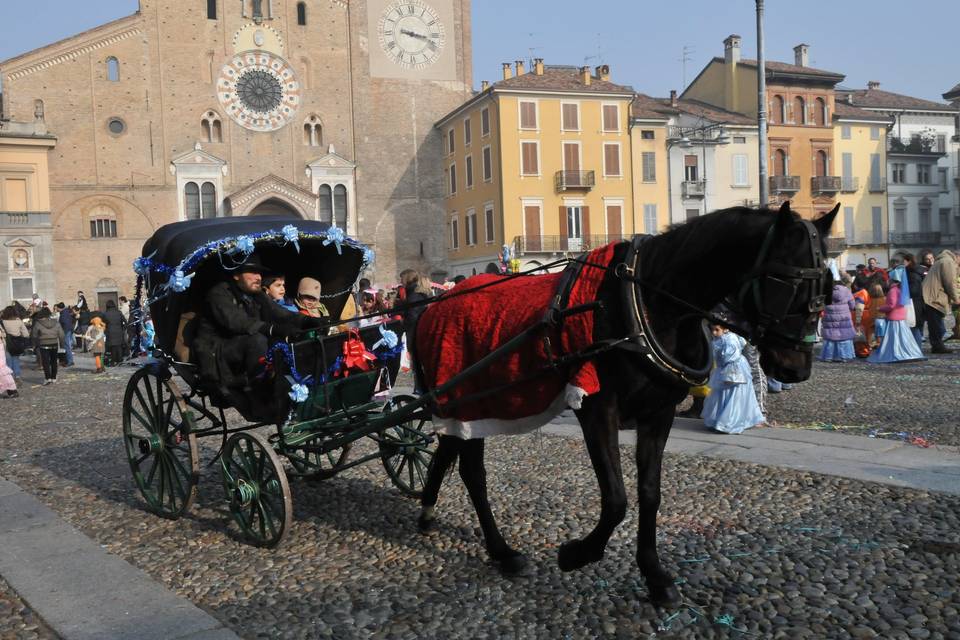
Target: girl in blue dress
732, 405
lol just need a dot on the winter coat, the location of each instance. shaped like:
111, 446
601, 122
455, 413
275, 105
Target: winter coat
116, 327
915, 275
892, 306
15, 327
837, 324
68, 321
47, 332
940, 285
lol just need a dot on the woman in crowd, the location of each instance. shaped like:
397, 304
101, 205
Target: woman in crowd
899, 344
17, 338
47, 336
838, 330
116, 332
8, 386
369, 304
731, 406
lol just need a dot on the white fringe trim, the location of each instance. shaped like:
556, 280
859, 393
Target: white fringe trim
485, 427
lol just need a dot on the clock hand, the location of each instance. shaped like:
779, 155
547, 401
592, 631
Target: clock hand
412, 34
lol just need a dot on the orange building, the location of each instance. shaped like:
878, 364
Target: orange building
800, 107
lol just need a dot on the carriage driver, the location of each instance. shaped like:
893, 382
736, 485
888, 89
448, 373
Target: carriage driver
238, 324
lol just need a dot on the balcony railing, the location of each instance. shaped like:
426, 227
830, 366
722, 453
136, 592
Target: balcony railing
559, 244
575, 180
694, 188
836, 245
916, 144
24, 219
849, 184
876, 184
784, 184
915, 238
824, 184
865, 238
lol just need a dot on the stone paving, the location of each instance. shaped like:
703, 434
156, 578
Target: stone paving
757, 550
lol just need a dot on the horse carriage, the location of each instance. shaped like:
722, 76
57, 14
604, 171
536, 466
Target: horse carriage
314, 401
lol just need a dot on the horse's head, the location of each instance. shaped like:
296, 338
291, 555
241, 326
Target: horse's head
782, 296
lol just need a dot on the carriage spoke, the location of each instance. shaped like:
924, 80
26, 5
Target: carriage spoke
154, 407
153, 470
147, 408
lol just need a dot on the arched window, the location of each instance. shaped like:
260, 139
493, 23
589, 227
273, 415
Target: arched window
113, 69
217, 131
799, 110
823, 164
780, 164
205, 130
820, 112
210, 127
211, 9
302, 13
340, 206
776, 113
103, 222
208, 200
326, 203
191, 201
313, 132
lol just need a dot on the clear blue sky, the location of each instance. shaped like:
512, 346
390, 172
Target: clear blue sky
908, 48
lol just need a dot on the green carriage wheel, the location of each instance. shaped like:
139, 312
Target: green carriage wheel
257, 489
313, 465
159, 440
407, 448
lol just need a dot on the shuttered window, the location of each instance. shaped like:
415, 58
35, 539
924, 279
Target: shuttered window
208, 200
454, 233
649, 159
191, 192
325, 194
488, 227
453, 179
740, 170
467, 134
470, 224
611, 117
848, 231
611, 160
485, 122
451, 146
571, 116
528, 115
877, 214
529, 157
469, 171
650, 218
487, 164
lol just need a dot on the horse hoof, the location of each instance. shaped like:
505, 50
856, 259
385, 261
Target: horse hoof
513, 563
573, 556
664, 596
426, 525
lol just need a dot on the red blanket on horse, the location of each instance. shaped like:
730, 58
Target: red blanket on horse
456, 333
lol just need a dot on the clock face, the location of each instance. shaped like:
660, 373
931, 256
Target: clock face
259, 91
411, 33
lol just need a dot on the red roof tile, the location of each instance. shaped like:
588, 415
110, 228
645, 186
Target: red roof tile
559, 78
843, 110
877, 99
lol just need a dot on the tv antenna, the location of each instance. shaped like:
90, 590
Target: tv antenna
599, 56
683, 60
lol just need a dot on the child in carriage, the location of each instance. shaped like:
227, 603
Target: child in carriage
275, 286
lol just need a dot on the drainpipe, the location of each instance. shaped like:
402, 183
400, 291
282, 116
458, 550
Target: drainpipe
762, 109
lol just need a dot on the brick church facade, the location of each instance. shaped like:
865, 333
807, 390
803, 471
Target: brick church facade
199, 108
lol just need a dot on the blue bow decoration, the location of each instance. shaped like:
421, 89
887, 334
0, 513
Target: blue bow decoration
389, 340
179, 282
369, 256
141, 266
299, 392
335, 236
291, 234
243, 246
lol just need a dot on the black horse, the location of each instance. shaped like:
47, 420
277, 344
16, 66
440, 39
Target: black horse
765, 266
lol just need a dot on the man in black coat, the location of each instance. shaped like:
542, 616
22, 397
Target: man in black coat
116, 331
915, 275
237, 325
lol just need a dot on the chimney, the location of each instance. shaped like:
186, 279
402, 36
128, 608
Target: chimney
538, 66
849, 98
520, 69
507, 71
801, 56
484, 85
603, 72
673, 97
731, 49
873, 84
585, 76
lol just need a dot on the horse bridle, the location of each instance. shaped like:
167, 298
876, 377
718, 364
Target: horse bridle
773, 287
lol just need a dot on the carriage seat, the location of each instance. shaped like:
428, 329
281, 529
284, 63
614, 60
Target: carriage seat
186, 330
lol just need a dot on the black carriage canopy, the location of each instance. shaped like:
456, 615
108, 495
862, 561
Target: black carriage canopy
172, 243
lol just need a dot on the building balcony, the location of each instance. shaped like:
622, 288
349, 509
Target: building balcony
694, 188
872, 238
915, 238
820, 185
19, 219
876, 184
836, 245
956, 176
849, 185
561, 244
784, 184
567, 180
916, 145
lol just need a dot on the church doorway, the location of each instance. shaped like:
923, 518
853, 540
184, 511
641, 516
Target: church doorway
275, 207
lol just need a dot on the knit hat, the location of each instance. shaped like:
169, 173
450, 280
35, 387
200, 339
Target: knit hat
309, 287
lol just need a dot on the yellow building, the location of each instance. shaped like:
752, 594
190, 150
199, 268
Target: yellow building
649, 126
26, 234
800, 107
860, 141
540, 162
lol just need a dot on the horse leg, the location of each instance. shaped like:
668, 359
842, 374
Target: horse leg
651, 439
474, 475
446, 455
599, 422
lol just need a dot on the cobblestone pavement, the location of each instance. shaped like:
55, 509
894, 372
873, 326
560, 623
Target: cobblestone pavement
775, 553
17, 620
